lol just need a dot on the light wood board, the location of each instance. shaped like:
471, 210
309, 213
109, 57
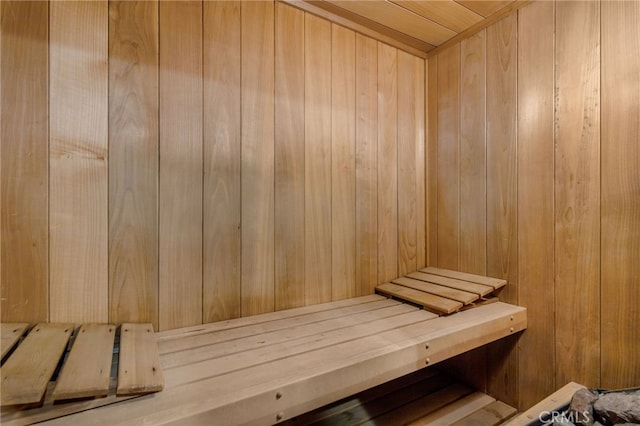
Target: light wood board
448, 148
450, 293
78, 161
10, 334
479, 289
257, 177
133, 161
317, 160
456, 411
222, 240
387, 163
366, 164
536, 268
558, 399
620, 244
87, 369
429, 301
431, 96
24, 166
473, 278
343, 163
139, 363
180, 196
289, 158
577, 192
26, 373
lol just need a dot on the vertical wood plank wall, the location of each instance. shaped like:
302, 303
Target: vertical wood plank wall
562, 187
207, 160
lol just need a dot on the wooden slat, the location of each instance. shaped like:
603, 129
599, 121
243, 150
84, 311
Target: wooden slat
429, 301
387, 163
10, 333
479, 289
577, 193
559, 398
258, 178
456, 411
317, 160
432, 160
420, 99
24, 168
343, 163
620, 249
400, 19
221, 148
484, 8
87, 370
473, 159
496, 283
502, 218
78, 160
422, 406
26, 373
289, 157
492, 414
409, 123
191, 342
340, 370
133, 161
447, 13
366, 164
389, 404
450, 293
448, 163
180, 333
375, 323
139, 363
180, 202
536, 196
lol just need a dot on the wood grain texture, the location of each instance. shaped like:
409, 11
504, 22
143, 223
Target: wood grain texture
133, 165
78, 161
484, 8
180, 203
502, 232
408, 134
421, 161
366, 164
289, 157
620, 249
222, 165
472, 155
139, 369
535, 197
447, 13
343, 163
10, 334
26, 373
430, 301
448, 157
577, 192
317, 160
24, 165
387, 162
87, 369
432, 160
257, 157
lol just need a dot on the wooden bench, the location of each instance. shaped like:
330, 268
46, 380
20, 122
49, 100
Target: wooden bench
268, 368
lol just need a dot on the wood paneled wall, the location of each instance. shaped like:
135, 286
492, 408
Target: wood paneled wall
533, 177
186, 162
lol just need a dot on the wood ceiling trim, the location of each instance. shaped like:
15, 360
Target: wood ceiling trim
511, 7
447, 13
364, 26
398, 18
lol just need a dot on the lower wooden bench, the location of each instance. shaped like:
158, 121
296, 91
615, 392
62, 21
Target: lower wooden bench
272, 367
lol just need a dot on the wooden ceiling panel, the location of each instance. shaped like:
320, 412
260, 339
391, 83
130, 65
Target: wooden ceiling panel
447, 13
484, 8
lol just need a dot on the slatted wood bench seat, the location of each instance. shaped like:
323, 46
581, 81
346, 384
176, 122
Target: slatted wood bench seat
268, 368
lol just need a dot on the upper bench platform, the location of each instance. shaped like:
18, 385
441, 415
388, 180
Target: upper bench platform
271, 367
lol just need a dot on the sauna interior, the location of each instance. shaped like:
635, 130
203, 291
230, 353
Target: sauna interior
187, 162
